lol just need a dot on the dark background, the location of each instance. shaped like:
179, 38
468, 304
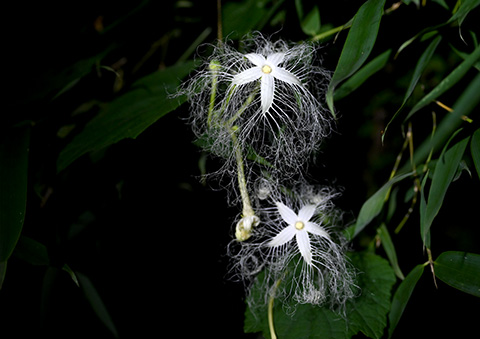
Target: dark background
136, 219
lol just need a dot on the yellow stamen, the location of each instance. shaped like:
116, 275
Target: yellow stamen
299, 225
266, 69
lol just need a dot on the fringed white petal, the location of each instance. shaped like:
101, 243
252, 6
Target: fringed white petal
267, 91
276, 58
313, 228
283, 237
289, 216
306, 212
256, 59
286, 76
247, 76
303, 243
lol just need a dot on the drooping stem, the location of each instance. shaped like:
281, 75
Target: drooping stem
249, 219
242, 182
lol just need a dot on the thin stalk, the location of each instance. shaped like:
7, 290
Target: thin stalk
243, 108
242, 182
214, 66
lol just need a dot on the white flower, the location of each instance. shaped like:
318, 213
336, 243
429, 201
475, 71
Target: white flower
270, 96
299, 226
267, 69
304, 250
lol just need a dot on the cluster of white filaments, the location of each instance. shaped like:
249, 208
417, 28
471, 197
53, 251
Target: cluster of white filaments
298, 244
267, 97
260, 112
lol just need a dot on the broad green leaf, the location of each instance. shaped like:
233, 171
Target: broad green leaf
96, 302
372, 207
359, 44
443, 175
366, 313
128, 115
447, 82
240, 18
14, 145
402, 296
362, 75
311, 23
419, 68
460, 270
475, 150
389, 248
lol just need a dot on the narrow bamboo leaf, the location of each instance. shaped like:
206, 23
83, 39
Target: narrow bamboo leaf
466, 6
402, 296
362, 75
469, 100
442, 177
389, 248
128, 115
359, 44
31, 251
419, 68
423, 208
96, 302
14, 145
372, 207
460, 270
475, 150
447, 83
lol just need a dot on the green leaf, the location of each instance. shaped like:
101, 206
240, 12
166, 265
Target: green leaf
96, 302
31, 251
14, 145
469, 100
389, 248
447, 82
419, 68
466, 6
475, 150
359, 44
372, 207
240, 18
445, 171
366, 313
311, 23
362, 75
128, 115
402, 296
460, 270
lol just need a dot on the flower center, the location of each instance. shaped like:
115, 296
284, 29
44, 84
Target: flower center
299, 225
266, 69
